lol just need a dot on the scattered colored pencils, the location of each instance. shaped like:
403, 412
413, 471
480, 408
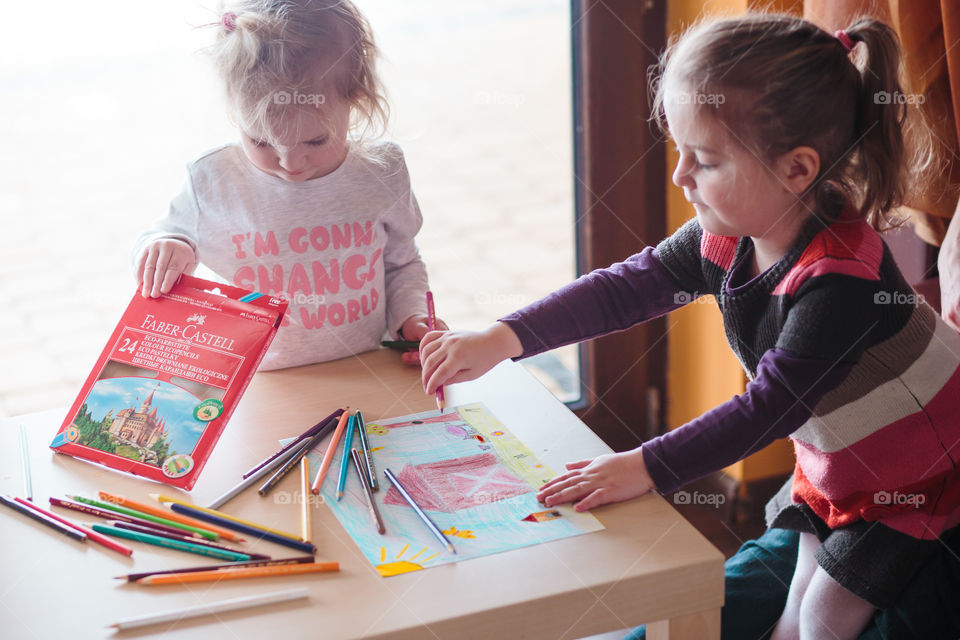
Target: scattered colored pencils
434, 529
330, 420
170, 543
432, 325
210, 535
331, 451
139, 528
167, 515
305, 496
133, 577
241, 572
25, 455
345, 456
91, 535
113, 515
222, 606
66, 530
291, 462
365, 483
367, 454
224, 520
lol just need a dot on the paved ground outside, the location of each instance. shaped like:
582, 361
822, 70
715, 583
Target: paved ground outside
102, 109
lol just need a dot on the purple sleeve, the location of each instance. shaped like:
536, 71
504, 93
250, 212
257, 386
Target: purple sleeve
776, 404
598, 303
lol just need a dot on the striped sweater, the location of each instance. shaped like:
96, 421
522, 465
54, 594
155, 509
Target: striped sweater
841, 356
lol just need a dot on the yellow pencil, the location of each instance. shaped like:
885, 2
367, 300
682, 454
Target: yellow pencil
242, 572
164, 513
226, 516
305, 497
331, 450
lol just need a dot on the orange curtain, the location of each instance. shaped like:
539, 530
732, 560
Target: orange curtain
930, 38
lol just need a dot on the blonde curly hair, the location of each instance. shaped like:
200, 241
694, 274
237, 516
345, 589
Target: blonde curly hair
277, 55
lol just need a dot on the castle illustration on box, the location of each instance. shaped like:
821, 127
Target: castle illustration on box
114, 419
141, 427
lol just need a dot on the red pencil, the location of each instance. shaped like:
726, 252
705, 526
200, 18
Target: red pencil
432, 325
99, 538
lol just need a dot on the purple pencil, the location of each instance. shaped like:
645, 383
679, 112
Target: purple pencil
306, 434
113, 515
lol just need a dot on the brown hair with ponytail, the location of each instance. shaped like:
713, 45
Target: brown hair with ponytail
787, 83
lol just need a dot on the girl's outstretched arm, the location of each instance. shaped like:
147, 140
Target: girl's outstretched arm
949, 264
455, 356
590, 483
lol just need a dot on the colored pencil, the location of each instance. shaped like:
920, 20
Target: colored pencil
43, 519
434, 529
400, 345
113, 515
167, 515
365, 483
292, 462
243, 572
133, 577
243, 485
129, 526
432, 325
345, 456
25, 455
219, 514
255, 530
329, 420
170, 543
367, 454
305, 496
91, 535
331, 450
221, 606
209, 535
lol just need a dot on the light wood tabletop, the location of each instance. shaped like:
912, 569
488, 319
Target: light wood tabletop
647, 565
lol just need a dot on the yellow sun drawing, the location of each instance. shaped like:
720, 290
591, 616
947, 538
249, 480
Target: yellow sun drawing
399, 565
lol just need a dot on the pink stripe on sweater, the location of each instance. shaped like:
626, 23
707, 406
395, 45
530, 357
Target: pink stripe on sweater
719, 250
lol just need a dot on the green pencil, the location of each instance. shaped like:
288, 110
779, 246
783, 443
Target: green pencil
209, 535
171, 543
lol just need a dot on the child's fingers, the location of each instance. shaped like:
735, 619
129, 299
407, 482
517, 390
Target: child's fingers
138, 267
596, 498
579, 464
169, 279
149, 270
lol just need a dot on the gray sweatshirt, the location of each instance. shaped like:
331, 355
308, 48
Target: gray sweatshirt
340, 248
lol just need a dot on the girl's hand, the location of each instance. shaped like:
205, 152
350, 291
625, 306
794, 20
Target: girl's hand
161, 264
455, 356
608, 478
948, 263
415, 327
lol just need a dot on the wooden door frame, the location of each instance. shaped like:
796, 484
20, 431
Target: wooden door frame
620, 195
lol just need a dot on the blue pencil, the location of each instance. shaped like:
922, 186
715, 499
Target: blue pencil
236, 526
171, 543
345, 460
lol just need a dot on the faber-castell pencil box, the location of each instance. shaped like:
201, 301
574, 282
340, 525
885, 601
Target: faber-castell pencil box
169, 378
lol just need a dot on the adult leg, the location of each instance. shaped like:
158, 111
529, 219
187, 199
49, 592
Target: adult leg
788, 627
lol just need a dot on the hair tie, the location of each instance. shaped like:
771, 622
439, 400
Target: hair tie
229, 21
844, 39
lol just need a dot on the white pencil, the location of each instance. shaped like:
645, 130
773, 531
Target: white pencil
25, 454
214, 607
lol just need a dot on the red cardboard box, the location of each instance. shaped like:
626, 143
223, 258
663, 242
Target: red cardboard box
169, 379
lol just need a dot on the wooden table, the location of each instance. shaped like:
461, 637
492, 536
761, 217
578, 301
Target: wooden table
648, 565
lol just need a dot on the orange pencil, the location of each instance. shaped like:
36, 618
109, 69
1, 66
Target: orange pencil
169, 515
243, 572
331, 451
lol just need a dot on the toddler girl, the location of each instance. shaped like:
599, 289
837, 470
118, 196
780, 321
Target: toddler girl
302, 207
792, 151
